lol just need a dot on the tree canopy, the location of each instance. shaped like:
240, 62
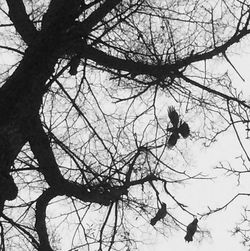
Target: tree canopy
100, 103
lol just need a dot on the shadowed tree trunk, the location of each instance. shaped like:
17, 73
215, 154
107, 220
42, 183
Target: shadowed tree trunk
91, 33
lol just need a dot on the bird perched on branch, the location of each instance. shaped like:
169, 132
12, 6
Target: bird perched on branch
160, 214
179, 127
191, 229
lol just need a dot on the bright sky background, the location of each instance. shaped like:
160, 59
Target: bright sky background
215, 193
198, 195
201, 194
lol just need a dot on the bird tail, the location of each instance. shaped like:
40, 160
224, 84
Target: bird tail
172, 139
188, 238
184, 130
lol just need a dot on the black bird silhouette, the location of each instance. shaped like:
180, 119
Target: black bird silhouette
179, 127
191, 229
160, 214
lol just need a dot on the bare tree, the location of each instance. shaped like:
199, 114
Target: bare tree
84, 114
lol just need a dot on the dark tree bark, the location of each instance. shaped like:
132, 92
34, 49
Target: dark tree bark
72, 29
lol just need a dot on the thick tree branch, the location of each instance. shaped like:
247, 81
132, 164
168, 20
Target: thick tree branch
21, 21
40, 146
40, 224
159, 71
87, 25
131, 66
221, 49
60, 15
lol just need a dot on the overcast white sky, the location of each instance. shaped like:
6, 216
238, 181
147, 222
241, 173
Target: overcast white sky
214, 193
202, 194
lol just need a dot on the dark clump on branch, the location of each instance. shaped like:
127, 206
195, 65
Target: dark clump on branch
160, 214
74, 63
179, 127
191, 229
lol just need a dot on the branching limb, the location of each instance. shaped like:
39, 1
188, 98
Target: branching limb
22, 230
40, 224
40, 146
212, 211
21, 21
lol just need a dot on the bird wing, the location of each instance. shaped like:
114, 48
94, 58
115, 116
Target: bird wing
184, 129
173, 115
173, 139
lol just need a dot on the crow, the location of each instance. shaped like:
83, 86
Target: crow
160, 214
191, 229
179, 127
